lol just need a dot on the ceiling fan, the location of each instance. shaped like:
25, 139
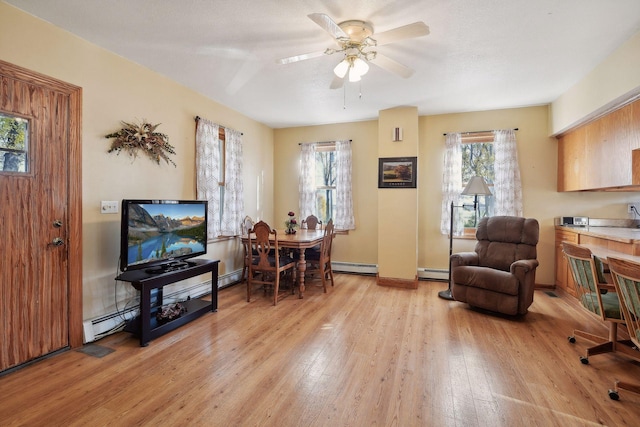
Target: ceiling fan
357, 42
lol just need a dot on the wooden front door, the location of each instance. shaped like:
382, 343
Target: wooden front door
40, 222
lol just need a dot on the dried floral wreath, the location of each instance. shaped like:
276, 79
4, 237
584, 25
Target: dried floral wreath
134, 136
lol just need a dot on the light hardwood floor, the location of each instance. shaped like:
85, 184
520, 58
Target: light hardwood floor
359, 355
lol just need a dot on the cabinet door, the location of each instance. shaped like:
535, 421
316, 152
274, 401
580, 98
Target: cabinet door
572, 161
598, 155
564, 278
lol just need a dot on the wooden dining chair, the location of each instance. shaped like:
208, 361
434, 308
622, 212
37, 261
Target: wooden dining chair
626, 279
319, 262
246, 225
266, 264
596, 296
311, 223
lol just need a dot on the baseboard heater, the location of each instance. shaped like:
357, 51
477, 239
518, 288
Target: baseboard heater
102, 326
433, 274
348, 267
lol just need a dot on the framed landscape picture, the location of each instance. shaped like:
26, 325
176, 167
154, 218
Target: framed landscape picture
397, 172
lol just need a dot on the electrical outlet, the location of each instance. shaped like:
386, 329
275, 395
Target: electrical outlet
109, 207
634, 208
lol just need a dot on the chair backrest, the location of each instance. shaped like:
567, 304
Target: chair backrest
246, 225
583, 269
263, 242
327, 240
626, 279
502, 240
311, 222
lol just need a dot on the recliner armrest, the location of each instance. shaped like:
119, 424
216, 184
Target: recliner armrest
464, 258
526, 264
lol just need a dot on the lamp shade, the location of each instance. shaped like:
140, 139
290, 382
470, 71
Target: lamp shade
476, 187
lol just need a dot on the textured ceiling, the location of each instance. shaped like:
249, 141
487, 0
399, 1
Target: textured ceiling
480, 55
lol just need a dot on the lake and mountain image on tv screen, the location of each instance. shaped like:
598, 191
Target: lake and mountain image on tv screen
159, 232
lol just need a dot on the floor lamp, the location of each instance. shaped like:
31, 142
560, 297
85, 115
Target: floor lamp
475, 187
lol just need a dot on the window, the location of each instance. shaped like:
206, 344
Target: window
492, 155
219, 177
325, 183
477, 160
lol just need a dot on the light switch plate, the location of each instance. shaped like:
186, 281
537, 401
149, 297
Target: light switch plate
109, 207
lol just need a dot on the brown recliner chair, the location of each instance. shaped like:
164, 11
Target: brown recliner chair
500, 275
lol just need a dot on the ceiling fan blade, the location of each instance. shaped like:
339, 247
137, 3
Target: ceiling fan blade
395, 67
328, 24
417, 29
302, 57
336, 83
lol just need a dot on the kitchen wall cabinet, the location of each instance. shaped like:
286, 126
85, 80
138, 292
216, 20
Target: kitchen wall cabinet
600, 156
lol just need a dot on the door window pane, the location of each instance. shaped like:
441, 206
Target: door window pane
14, 144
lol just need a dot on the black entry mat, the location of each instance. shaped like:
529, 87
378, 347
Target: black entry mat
96, 350
551, 294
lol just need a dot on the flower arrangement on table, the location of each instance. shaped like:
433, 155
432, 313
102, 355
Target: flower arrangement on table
142, 136
291, 223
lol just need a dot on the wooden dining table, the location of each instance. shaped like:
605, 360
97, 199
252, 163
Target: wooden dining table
301, 240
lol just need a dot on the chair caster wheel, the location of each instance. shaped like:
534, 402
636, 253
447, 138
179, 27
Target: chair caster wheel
572, 339
584, 360
613, 395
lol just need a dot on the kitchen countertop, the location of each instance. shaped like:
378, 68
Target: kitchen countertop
618, 234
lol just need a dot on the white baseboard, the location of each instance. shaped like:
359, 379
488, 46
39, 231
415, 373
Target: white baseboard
356, 268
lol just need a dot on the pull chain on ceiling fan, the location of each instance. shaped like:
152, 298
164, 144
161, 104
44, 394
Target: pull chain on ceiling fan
355, 40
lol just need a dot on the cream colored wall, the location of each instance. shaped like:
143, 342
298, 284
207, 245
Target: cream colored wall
538, 162
398, 207
537, 159
115, 89
359, 245
614, 79
537, 154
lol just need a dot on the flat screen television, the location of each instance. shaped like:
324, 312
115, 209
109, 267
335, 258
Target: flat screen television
161, 234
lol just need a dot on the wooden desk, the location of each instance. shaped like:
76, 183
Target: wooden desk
303, 239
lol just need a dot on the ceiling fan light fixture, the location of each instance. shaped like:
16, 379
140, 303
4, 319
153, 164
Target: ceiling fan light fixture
371, 55
341, 69
360, 66
354, 76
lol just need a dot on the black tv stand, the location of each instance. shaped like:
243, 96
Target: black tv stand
169, 266
145, 325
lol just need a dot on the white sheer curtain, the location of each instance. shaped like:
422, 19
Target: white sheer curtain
344, 219
451, 182
233, 211
208, 172
307, 182
507, 185
209, 178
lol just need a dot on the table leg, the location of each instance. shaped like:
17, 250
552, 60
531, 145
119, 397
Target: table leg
302, 267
